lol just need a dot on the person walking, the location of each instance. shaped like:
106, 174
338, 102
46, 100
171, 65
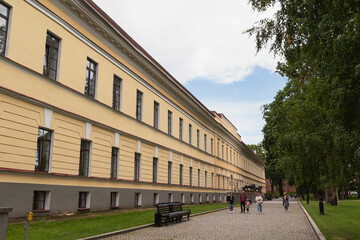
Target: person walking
259, 201
230, 199
247, 206
243, 198
286, 201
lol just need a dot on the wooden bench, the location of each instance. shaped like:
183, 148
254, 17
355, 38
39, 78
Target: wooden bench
168, 212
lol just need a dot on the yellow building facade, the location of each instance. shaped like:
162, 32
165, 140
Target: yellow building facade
89, 121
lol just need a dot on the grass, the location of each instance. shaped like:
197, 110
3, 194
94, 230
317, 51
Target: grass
338, 223
94, 225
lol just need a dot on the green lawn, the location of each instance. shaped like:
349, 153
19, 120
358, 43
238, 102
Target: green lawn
338, 223
89, 226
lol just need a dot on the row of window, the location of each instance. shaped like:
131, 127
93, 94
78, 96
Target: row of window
50, 69
43, 156
41, 199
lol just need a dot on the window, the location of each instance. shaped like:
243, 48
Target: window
114, 199
41, 200
117, 92
219, 181
137, 166
212, 146
42, 158
84, 165
190, 176
222, 150
156, 114
198, 138
169, 122
114, 162
84, 200
200, 198
212, 180
227, 155
205, 146
51, 56
155, 169
170, 197
199, 184
190, 134
230, 156
227, 182
155, 198
137, 199
139, 100
4, 24
90, 82
181, 129
206, 179
207, 198
181, 174
182, 196
169, 171
213, 198
220, 197
218, 149
223, 182
191, 198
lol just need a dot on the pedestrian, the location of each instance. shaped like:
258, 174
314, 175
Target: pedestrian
259, 201
243, 198
230, 199
286, 201
247, 206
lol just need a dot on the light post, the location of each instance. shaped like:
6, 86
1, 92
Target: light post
321, 205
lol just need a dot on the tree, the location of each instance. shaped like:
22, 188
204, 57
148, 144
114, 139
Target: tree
312, 129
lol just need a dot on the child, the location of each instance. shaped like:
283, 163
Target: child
286, 201
247, 206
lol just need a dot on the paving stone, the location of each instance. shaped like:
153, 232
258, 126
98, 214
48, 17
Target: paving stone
273, 223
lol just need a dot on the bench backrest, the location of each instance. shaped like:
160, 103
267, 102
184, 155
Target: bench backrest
163, 208
176, 207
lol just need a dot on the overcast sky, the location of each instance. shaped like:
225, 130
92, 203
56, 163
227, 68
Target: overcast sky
202, 44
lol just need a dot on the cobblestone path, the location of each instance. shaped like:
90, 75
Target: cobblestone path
273, 223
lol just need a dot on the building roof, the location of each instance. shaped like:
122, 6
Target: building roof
141, 50
147, 56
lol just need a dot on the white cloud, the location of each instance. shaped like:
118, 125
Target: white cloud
192, 39
246, 116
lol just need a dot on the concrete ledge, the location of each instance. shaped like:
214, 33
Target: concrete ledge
312, 223
104, 235
5, 210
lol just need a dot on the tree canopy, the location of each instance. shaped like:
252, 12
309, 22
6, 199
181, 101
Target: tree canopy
312, 129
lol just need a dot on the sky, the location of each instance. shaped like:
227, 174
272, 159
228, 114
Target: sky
203, 45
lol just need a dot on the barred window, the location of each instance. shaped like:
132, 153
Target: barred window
114, 162
139, 102
90, 81
84, 158
156, 115
137, 166
117, 92
4, 25
51, 56
42, 159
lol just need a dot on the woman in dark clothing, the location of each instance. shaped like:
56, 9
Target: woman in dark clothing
286, 201
230, 199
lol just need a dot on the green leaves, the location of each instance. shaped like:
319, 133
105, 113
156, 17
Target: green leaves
312, 130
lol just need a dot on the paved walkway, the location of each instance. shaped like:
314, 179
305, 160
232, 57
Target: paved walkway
273, 223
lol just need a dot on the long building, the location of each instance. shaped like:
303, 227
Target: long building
89, 121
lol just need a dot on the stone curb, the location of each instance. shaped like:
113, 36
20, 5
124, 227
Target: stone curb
312, 223
109, 234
